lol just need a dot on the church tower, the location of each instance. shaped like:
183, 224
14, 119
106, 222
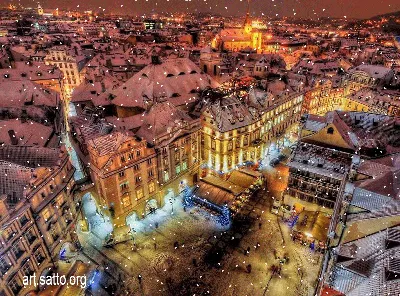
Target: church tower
247, 22
39, 9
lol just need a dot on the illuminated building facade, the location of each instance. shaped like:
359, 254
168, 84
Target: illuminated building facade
322, 98
124, 170
235, 132
175, 137
366, 76
70, 64
236, 39
37, 212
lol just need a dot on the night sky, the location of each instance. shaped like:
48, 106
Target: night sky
302, 8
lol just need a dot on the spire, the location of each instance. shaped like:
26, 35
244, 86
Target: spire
247, 22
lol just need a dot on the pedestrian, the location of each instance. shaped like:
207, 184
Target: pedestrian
275, 254
156, 224
155, 246
259, 225
248, 268
248, 250
176, 245
258, 245
139, 279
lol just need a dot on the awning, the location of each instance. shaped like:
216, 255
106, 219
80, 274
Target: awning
315, 225
213, 194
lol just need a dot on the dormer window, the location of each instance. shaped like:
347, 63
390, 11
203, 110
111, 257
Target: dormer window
181, 73
170, 75
330, 130
193, 72
6, 75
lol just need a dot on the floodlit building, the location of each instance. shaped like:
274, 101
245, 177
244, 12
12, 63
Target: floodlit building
236, 39
70, 63
124, 171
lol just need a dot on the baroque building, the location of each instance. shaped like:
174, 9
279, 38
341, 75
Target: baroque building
236, 39
124, 170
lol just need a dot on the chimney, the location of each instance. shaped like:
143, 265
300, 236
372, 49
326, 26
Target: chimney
13, 137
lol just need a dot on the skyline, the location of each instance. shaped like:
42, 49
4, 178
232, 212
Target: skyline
282, 8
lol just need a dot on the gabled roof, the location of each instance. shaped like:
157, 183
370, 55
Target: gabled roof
162, 119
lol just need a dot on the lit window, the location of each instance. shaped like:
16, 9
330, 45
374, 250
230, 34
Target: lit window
152, 187
126, 201
166, 176
178, 169
139, 193
184, 165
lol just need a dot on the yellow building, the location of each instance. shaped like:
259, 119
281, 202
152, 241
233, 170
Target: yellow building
236, 39
235, 133
124, 171
70, 63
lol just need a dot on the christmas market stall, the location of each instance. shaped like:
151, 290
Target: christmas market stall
311, 229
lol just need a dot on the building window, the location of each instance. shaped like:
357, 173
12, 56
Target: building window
137, 153
30, 237
121, 174
136, 167
184, 166
46, 214
213, 144
23, 220
138, 179
149, 161
246, 140
4, 266
237, 143
16, 250
39, 257
212, 160
152, 187
15, 286
150, 173
122, 158
123, 186
166, 176
230, 146
178, 169
330, 130
130, 156
126, 201
139, 194
27, 269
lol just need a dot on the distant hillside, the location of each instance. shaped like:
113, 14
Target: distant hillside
395, 15
388, 23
